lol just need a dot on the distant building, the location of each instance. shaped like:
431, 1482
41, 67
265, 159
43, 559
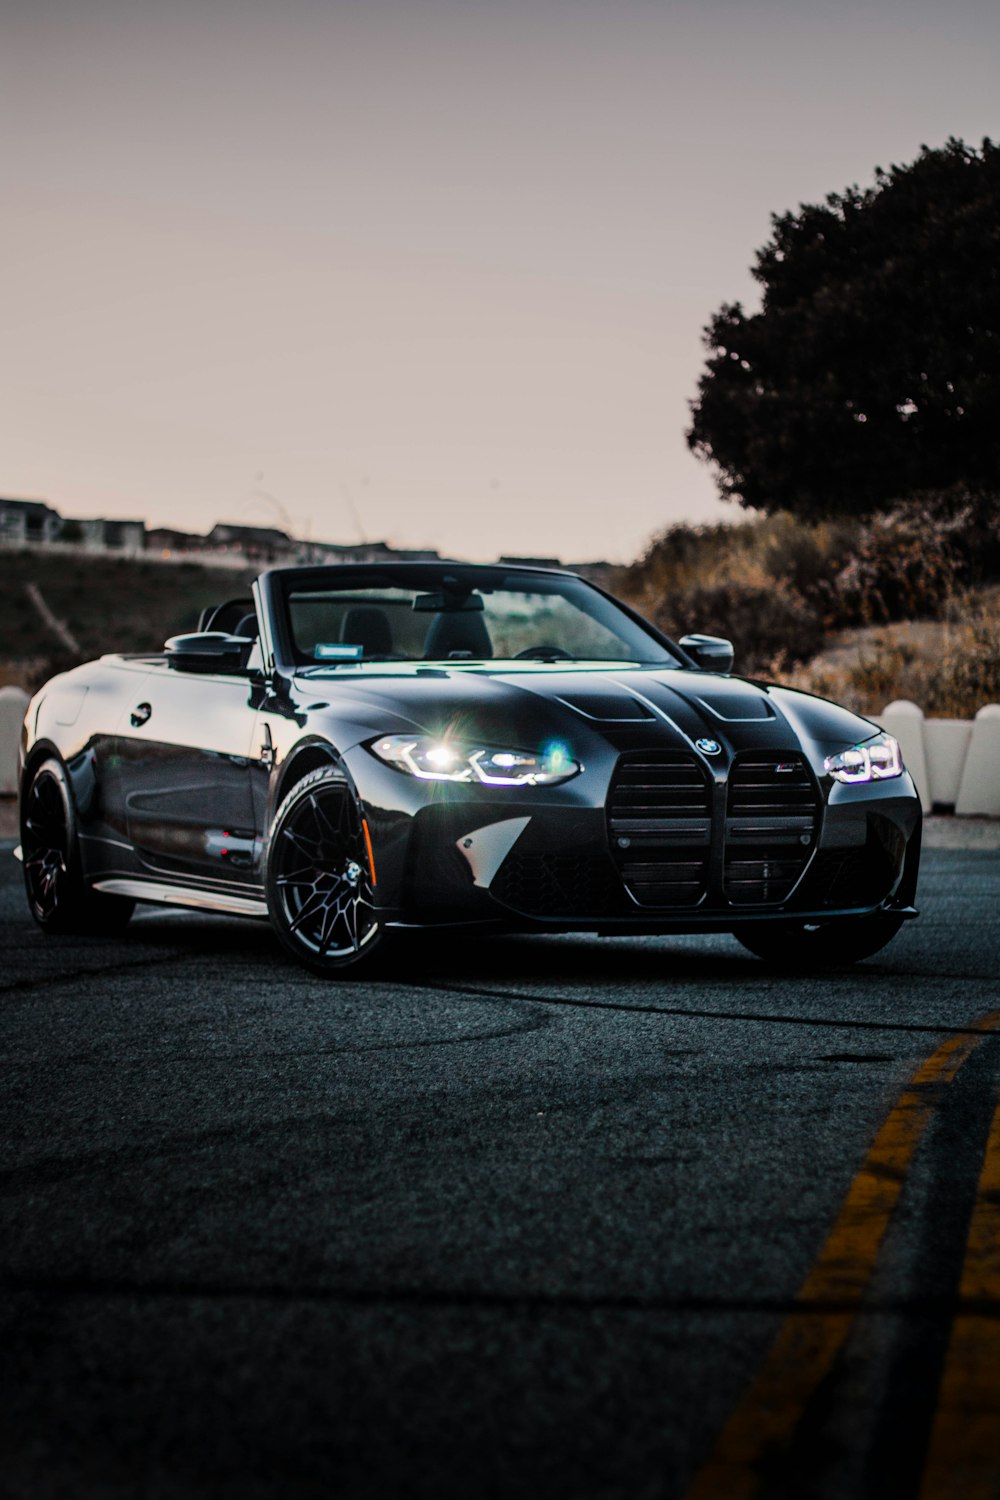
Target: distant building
29, 521
364, 552
166, 540
346, 552
33, 523
126, 537
256, 543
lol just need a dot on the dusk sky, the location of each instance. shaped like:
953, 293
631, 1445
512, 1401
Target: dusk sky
434, 270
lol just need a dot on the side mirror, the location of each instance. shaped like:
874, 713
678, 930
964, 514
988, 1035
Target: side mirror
711, 652
208, 651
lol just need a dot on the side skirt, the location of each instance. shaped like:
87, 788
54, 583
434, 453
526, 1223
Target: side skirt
184, 895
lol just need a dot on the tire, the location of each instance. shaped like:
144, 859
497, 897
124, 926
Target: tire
831, 945
319, 878
58, 896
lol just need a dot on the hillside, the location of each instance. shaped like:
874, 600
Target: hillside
107, 604
906, 607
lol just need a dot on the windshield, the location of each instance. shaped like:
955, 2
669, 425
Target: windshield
456, 614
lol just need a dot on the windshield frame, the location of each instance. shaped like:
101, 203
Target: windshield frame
277, 585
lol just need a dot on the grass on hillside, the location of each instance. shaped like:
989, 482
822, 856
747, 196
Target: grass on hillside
108, 604
951, 668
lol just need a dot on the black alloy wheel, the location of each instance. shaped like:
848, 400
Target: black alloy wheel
320, 877
57, 895
821, 945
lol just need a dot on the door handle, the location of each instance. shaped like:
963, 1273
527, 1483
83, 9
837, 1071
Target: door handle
140, 714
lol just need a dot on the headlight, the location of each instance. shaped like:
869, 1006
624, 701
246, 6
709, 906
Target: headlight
877, 759
441, 760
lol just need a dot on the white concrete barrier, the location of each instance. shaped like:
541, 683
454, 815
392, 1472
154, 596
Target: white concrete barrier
13, 703
953, 762
979, 792
946, 744
906, 721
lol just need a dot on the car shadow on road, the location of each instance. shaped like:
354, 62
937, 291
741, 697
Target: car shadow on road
454, 960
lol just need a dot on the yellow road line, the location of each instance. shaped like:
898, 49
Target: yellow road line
964, 1455
808, 1343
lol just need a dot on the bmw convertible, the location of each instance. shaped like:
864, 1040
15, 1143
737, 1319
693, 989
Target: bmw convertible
359, 750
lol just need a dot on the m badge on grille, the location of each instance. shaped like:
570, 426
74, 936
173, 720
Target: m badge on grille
708, 747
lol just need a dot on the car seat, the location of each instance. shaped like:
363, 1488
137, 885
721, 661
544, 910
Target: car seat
458, 633
367, 627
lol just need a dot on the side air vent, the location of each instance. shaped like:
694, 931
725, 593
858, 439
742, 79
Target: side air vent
660, 826
772, 819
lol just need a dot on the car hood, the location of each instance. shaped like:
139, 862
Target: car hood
517, 707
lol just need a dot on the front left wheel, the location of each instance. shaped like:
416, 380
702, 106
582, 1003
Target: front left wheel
320, 877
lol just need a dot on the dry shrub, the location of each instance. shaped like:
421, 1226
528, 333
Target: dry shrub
774, 583
889, 670
905, 566
777, 547
764, 622
909, 563
806, 555
968, 677
954, 681
974, 520
755, 583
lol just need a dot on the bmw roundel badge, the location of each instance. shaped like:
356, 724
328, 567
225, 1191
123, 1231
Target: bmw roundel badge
708, 747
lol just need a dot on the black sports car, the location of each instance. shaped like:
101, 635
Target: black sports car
358, 750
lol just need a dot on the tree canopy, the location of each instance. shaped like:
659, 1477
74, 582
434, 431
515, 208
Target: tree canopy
872, 370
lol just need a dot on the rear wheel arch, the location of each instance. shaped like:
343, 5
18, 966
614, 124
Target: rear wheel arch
58, 895
41, 751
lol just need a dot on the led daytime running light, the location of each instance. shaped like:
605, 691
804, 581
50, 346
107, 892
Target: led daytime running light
877, 759
437, 760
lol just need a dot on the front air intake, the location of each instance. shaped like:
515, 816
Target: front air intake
772, 820
660, 826
550, 884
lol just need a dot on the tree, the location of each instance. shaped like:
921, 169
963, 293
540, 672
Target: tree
872, 370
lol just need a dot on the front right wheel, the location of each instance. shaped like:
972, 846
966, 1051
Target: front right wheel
820, 945
320, 877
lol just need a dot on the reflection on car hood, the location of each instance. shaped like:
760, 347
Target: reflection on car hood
515, 706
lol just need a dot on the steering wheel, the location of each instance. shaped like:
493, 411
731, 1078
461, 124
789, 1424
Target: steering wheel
544, 653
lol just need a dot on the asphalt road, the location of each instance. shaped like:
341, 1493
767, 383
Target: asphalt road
541, 1217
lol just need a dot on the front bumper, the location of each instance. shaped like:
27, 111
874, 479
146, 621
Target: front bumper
557, 859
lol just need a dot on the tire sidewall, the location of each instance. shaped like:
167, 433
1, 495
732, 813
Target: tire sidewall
331, 776
836, 945
62, 919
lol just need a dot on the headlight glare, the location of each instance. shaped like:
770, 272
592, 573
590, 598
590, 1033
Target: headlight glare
877, 759
441, 760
